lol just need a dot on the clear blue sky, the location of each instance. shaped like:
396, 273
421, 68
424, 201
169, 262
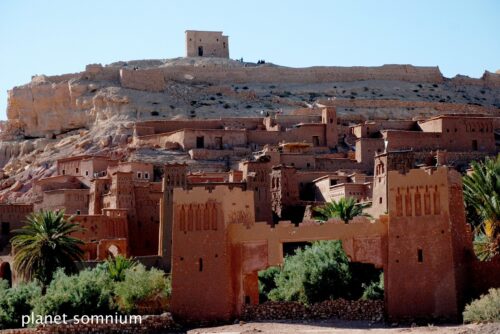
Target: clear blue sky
62, 36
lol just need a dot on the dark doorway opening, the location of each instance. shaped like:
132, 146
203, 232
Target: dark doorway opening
289, 248
200, 142
474, 145
6, 273
200, 51
315, 141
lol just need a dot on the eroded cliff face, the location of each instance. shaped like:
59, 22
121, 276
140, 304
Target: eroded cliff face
192, 87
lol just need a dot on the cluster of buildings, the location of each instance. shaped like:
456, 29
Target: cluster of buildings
218, 229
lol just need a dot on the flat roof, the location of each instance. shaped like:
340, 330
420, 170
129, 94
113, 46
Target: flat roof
469, 116
220, 32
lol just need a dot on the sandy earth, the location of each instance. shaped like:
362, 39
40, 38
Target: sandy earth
343, 327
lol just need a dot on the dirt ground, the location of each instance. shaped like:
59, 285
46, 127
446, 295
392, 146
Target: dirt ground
344, 327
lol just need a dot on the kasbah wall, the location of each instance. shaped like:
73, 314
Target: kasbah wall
271, 74
423, 245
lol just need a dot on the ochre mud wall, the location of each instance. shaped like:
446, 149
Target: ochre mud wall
438, 106
139, 79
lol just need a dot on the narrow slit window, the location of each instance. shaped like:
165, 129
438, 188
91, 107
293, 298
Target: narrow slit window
200, 264
420, 255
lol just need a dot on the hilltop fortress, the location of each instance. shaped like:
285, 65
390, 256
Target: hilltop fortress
155, 88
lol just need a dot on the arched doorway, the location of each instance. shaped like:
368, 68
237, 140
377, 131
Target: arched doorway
6, 273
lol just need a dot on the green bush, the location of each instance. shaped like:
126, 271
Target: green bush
141, 285
374, 290
117, 285
16, 302
319, 272
484, 309
89, 292
267, 282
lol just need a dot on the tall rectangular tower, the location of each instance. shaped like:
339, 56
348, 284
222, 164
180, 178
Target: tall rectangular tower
427, 242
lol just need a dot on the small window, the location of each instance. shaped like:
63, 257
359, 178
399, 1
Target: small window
247, 300
146, 175
474, 145
420, 255
218, 143
200, 265
5, 228
78, 212
76, 170
86, 173
139, 175
380, 200
63, 172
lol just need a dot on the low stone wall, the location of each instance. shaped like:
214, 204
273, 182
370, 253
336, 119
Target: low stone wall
372, 310
208, 154
150, 324
441, 107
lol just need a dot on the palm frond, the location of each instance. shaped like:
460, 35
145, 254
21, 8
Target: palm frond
44, 244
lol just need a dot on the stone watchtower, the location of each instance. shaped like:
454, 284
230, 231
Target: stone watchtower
206, 44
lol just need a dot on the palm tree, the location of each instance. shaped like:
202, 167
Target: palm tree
44, 244
116, 267
482, 199
345, 209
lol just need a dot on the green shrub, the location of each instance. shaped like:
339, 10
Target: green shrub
118, 284
267, 282
141, 285
319, 272
89, 292
484, 309
16, 302
374, 290
117, 266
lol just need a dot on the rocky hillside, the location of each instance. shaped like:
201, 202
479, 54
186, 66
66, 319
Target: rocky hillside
93, 111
